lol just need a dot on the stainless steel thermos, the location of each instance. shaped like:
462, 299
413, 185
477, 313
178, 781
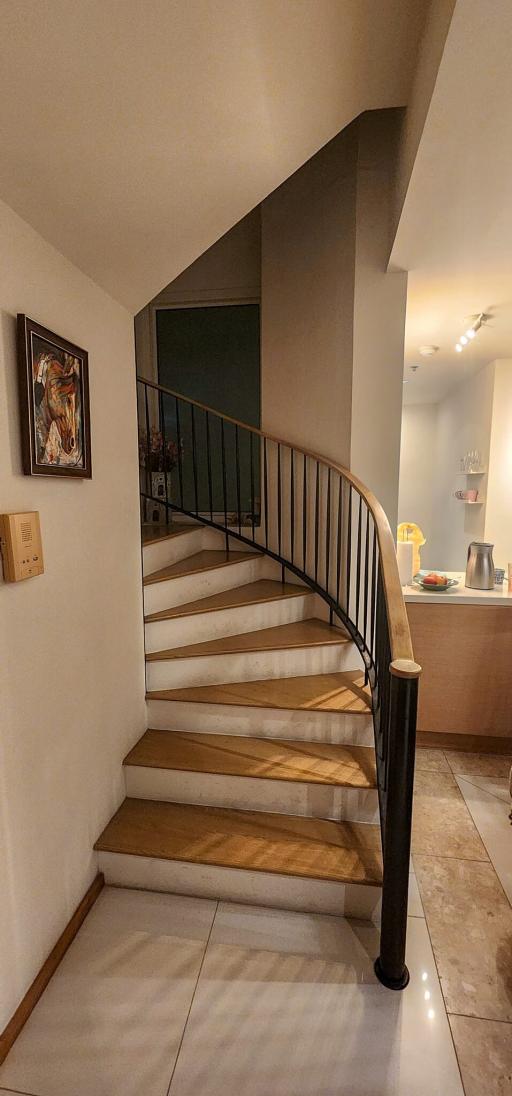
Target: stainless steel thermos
480, 566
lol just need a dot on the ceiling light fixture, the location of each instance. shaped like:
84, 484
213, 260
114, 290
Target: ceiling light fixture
479, 322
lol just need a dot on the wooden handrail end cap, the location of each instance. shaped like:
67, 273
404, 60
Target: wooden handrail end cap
405, 667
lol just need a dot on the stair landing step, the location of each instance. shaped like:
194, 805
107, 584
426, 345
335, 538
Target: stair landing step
340, 692
207, 560
283, 637
151, 534
254, 593
344, 852
263, 758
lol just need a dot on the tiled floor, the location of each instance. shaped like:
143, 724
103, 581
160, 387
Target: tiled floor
462, 858
161, 995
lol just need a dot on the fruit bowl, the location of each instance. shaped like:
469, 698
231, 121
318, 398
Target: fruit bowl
434, 582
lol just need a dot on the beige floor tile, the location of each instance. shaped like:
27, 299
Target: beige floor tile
499, 786
472, 764
491, 817
484, 1050
111, 1020
470, 923
287, 1004
442, 824
431, 761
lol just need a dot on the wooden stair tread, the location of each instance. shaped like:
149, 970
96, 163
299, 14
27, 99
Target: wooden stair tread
340, 692
343, 852
283, 637
267, 758
254, 593
207, 560
151, 534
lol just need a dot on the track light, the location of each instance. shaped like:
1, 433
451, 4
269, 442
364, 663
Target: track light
471, 331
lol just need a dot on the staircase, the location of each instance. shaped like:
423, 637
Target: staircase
256, 781
281, 692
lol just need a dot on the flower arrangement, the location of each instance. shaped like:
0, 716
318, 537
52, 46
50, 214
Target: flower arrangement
157, 455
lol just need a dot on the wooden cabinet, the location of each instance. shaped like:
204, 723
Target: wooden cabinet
466, 655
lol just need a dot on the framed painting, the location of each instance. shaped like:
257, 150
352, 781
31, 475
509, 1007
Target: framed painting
54, 403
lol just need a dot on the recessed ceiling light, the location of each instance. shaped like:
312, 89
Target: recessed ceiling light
428, 351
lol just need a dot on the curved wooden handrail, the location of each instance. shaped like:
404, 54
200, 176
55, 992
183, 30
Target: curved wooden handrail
402, 659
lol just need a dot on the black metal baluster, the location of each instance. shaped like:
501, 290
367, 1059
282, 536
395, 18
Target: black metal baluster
265, 488
180, 452
328, 535
358, 564
304, 515
224, 483
374, 588
338, 540
349, 549
292, 506
164, 451
209, 464
252, 482
366, 582
278, 499
317, 523
194, 456
148, 448
237, 460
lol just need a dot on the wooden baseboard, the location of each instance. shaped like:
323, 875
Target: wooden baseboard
20, 1017
470, 743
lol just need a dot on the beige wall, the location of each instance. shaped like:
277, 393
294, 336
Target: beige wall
418, 473
380, 299
434, 438
228, 270
71, 646
464, 424
332, 317
429, 53
498, 514
307, 289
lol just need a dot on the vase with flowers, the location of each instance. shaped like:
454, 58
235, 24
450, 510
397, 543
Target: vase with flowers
158, 457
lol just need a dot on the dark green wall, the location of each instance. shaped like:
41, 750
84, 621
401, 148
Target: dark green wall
212, 354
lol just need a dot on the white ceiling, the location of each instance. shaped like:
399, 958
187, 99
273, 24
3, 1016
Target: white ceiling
134, 135
455, 232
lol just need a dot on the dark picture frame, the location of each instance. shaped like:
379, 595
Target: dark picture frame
54, 403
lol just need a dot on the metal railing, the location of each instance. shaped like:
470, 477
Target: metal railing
322, 524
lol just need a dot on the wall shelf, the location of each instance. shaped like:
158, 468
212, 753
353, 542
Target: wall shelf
481, 472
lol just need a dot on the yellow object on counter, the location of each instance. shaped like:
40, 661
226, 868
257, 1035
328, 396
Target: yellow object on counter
408, 530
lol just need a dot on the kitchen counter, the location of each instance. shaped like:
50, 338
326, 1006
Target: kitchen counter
460, 595
466, 656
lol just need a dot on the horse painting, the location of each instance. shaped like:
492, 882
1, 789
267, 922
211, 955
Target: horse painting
57, 411
57, 399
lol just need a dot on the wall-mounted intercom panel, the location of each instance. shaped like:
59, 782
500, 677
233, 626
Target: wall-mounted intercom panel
20, 542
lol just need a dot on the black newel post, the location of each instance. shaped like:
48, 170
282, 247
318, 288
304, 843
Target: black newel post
390, 966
